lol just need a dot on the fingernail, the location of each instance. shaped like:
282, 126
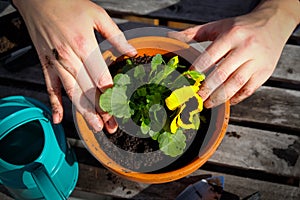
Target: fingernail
208, 103
131, 51
203, 94
233, 101
111, 125
97, 128
96, 125
56, 117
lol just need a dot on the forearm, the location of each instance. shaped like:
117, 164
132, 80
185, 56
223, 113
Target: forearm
289, 9
280, 15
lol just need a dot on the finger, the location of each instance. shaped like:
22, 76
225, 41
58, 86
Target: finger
98, 70
83, 63
80, 100
74, 92
54, 89
221, 73
231, 86
109, 121
213, 54
86, 85
88, 105
187, 35
109, 30
67, 61
200, 33
93, 94
256, 80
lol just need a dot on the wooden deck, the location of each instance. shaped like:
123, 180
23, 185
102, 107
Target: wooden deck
260, 152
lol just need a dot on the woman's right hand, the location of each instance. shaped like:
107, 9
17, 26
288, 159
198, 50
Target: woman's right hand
63, 35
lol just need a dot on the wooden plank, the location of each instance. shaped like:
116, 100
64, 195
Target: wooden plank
255, 149
244, 187
288, 67
6, 8
40, 94
4, 194
287, 70
31, 74
264, 152
101, 181
135, 7
203, 11
81, 195
189, 10
270, 107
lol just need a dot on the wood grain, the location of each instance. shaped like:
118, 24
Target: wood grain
135, 6
287, 69
101, 181
270, 107
255, 149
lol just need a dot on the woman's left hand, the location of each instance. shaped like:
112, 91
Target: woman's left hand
245, 50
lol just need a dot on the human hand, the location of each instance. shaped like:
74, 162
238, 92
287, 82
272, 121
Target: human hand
63, 35
245, 50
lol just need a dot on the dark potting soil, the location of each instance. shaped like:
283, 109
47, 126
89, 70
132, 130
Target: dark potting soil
143, 154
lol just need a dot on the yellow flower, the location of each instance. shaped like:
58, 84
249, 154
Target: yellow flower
178, 99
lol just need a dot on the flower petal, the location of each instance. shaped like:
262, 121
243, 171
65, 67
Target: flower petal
174, 125
180, 96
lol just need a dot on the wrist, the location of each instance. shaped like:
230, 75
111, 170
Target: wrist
287, 9
278, 17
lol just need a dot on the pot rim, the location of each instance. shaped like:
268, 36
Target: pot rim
94, 148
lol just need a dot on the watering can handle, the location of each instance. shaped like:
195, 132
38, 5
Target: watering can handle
46, 185
20, 117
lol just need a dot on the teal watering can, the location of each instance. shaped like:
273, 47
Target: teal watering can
35, 160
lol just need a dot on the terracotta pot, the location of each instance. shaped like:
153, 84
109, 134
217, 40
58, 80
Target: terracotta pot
151, 46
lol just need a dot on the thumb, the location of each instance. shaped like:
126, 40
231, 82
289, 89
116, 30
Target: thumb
201, 33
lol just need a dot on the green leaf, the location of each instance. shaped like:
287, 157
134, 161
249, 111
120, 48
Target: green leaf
196, 121
158, 117
139, 72
146, 105
173, 62
154, 135
166, 70
157, 78
128, 62
105, 101
179, 82
120, 103
141, 92
195, 75
122, 80
156, 60
145, 128
172, 144
203, 119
